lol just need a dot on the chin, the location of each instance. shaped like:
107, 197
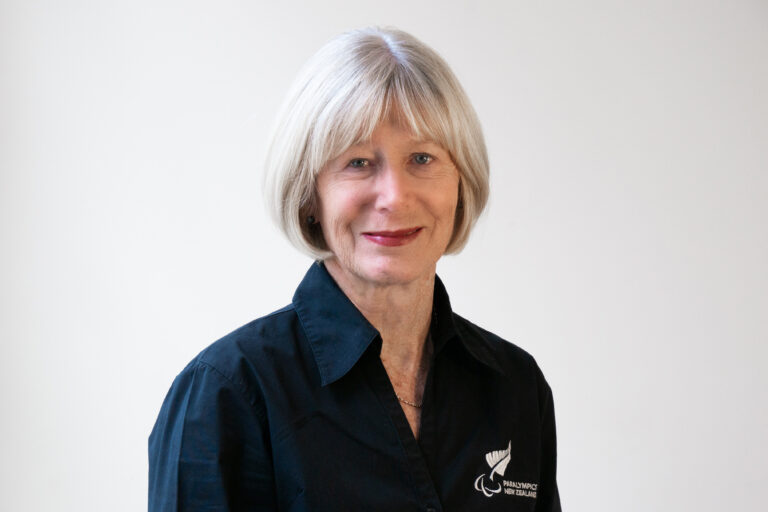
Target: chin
387, 271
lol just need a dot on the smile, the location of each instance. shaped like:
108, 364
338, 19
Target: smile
392, 238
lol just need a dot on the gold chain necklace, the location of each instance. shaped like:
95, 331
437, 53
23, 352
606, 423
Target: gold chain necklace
418, 406
408, 402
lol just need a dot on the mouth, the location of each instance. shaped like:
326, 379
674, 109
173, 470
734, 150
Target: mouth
393, 238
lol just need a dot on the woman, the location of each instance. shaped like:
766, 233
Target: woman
367, 392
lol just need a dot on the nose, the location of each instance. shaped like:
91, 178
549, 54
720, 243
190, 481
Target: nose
392, 187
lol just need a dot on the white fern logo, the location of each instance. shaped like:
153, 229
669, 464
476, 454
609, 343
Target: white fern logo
497, 460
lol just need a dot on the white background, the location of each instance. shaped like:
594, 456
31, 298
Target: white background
625, 245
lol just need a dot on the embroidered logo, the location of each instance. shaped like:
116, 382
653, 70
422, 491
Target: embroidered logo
498, 460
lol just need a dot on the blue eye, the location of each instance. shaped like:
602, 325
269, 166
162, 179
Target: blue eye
358, 163
422, 158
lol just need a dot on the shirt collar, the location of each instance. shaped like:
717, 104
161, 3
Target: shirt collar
339, 334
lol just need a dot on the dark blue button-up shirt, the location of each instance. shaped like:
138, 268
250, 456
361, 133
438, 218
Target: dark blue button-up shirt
295, 412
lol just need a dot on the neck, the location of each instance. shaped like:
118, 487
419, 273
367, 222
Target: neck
400, 312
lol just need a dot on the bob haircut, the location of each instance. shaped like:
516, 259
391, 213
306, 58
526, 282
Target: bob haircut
353, 83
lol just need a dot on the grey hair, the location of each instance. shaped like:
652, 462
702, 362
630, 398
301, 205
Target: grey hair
353, 83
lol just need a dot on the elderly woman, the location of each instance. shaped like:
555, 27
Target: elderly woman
367, 392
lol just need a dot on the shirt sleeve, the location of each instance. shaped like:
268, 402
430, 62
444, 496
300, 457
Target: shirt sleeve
548, 499
209, 448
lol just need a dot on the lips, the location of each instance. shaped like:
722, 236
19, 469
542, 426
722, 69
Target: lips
393, 238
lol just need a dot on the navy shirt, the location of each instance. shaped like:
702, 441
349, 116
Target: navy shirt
295, 412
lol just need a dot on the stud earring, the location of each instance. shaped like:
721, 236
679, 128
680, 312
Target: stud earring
311, 220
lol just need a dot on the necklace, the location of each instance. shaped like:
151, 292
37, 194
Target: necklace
412, 404
408, 402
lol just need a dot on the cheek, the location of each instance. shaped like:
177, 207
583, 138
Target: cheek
448, 220
448, 207
339, 214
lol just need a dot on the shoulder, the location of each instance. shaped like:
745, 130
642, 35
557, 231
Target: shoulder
517, 368
505, 357
506, 353
238, 357
249, 340
213, 421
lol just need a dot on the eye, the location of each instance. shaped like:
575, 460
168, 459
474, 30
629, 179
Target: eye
358, 163
422, 158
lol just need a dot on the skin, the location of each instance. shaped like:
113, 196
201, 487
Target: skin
387, 208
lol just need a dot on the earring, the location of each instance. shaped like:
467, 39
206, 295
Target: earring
311, 220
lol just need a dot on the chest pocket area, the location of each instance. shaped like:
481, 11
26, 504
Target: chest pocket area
327, 464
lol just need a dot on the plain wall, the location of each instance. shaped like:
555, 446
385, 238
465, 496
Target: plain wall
625, 245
